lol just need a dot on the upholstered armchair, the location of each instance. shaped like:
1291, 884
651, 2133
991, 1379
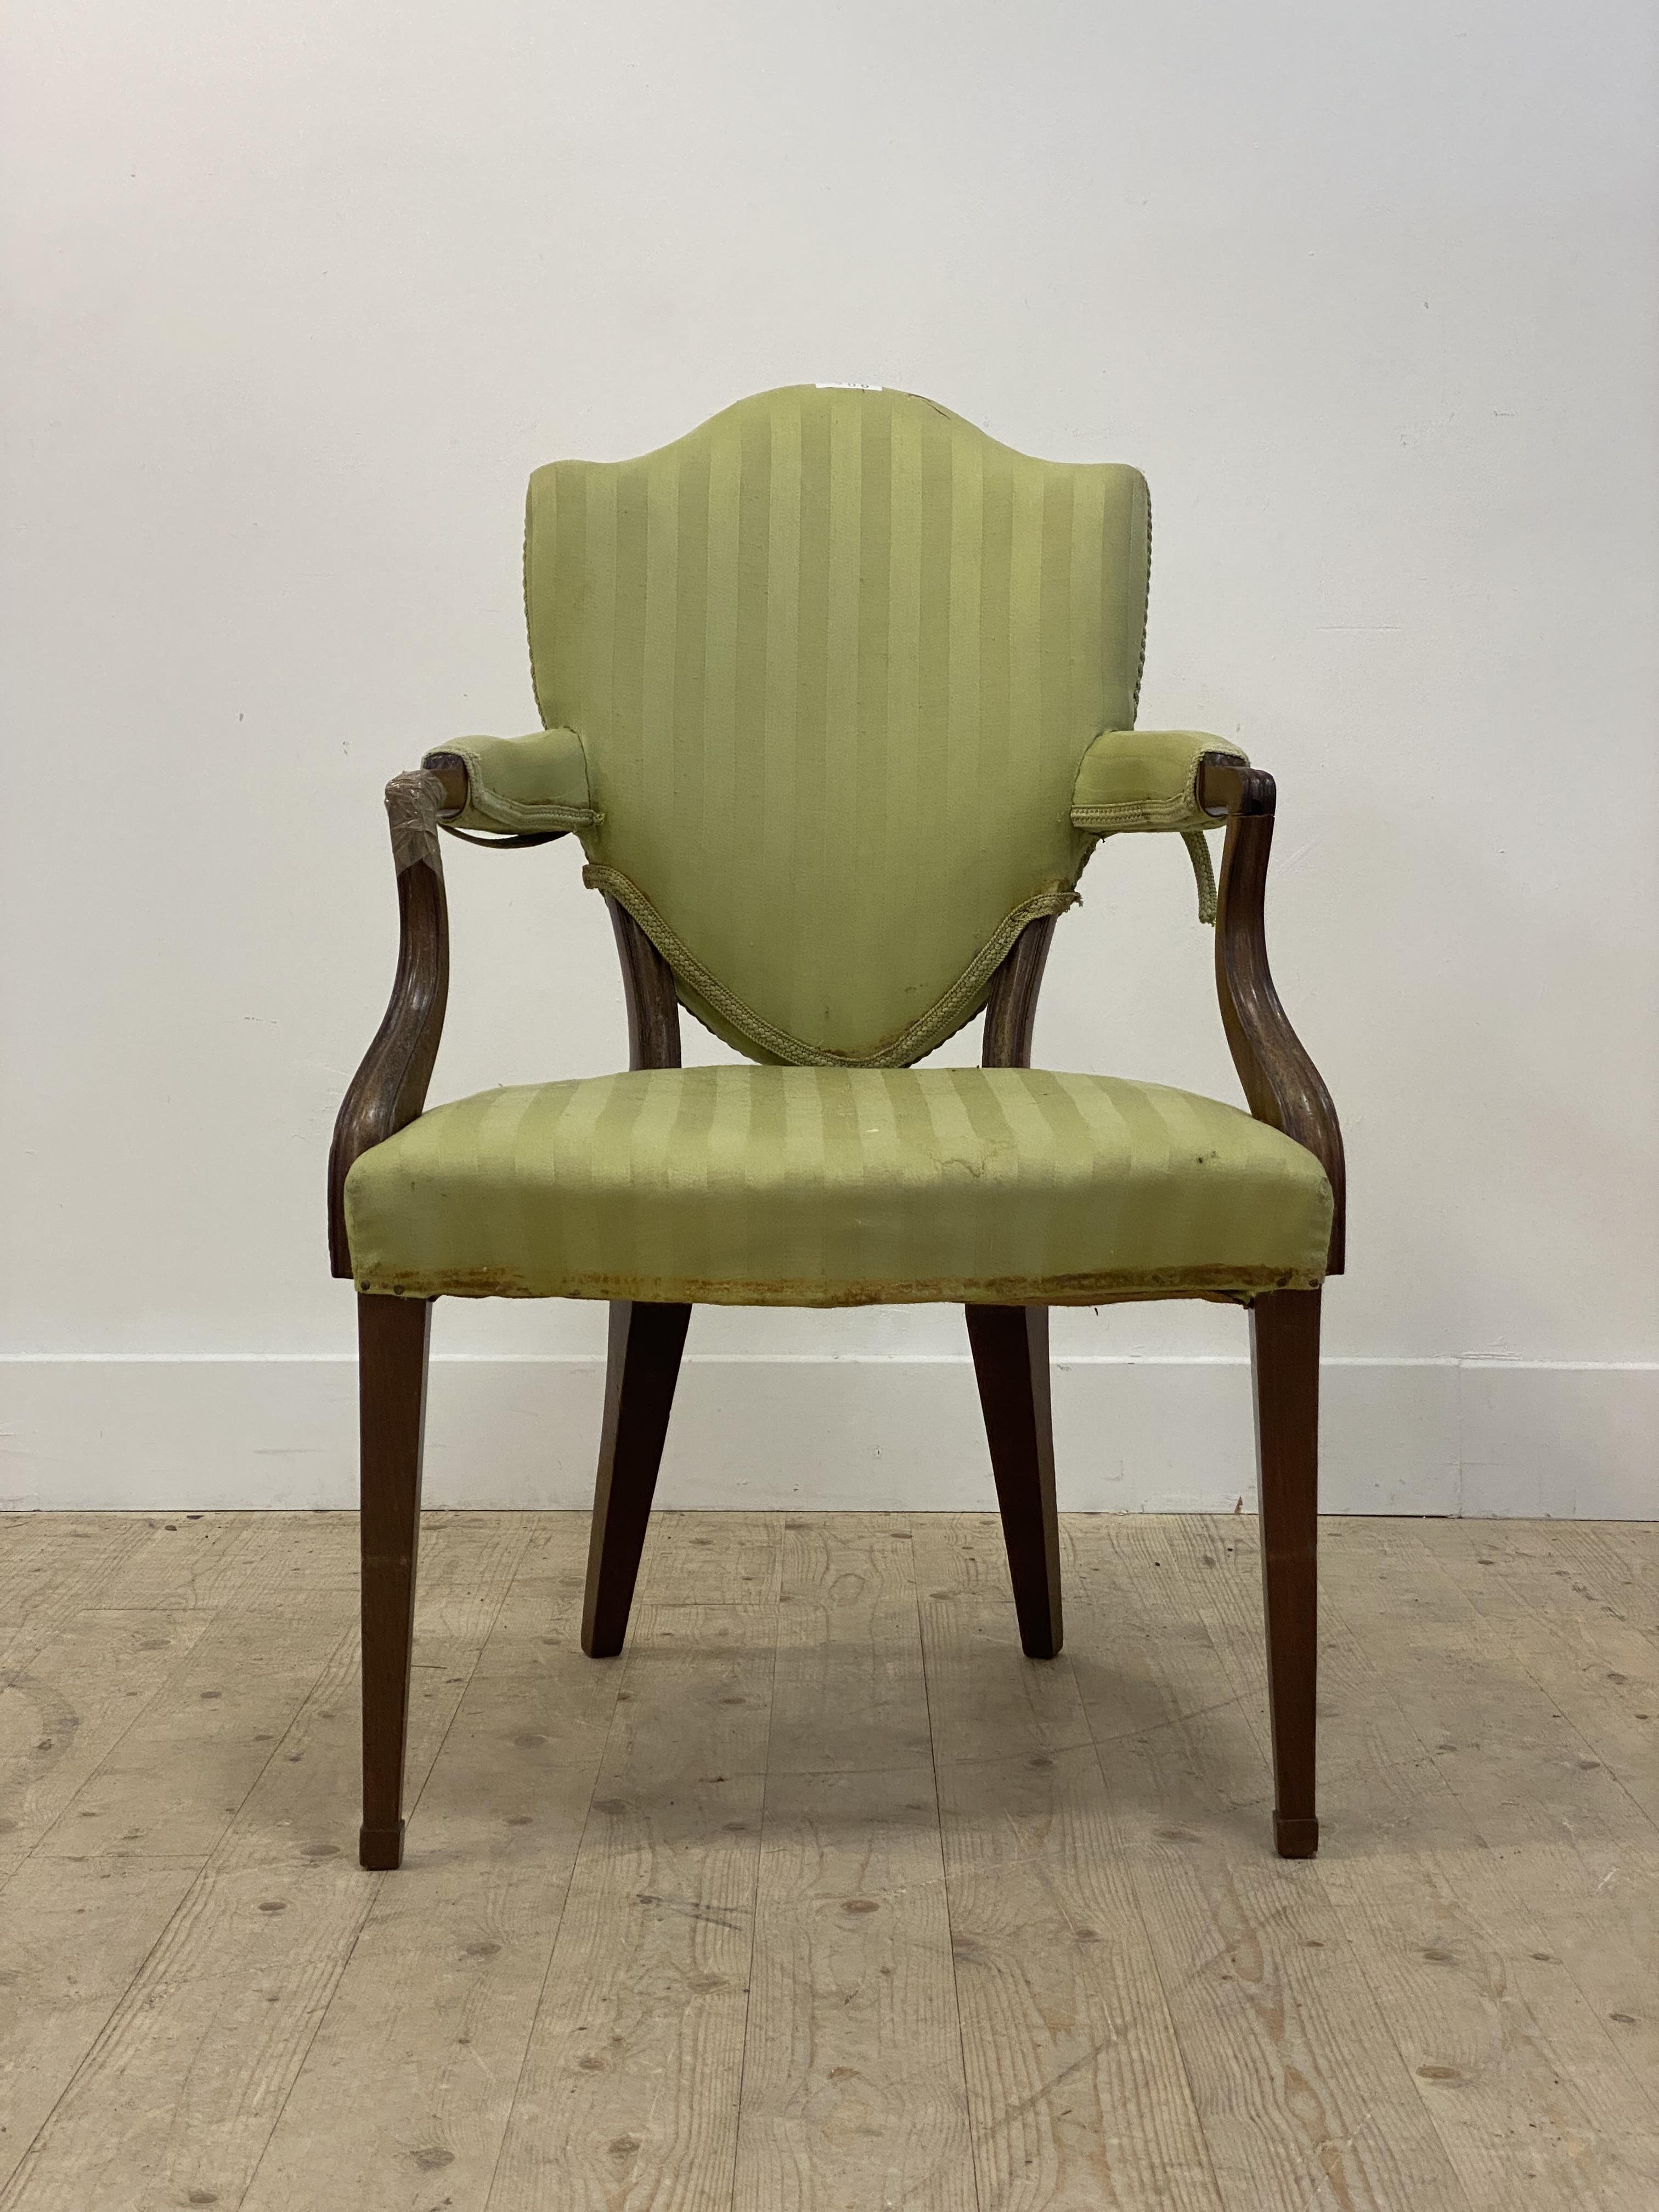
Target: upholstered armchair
839, 696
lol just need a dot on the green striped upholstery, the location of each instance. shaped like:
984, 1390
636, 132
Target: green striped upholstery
821, 1187
833, 659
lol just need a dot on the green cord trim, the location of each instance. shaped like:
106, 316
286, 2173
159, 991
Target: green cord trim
1145, 604
1137, 814
948, 1014
545, 814
1198, 851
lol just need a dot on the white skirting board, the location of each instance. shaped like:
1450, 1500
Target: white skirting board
92, 1433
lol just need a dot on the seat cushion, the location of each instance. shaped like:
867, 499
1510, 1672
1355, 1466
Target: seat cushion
836, 1186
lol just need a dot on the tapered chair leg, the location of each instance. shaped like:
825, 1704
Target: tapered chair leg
1011, 1360
392, 1334
1285, 1358
642, 1369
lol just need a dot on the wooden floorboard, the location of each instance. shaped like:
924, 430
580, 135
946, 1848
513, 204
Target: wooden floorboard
853, 2089
1303, 2093
430, 2020
630, 2083
824, 1898
1078, 2093
1526, 2081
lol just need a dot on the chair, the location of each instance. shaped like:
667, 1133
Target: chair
839, 696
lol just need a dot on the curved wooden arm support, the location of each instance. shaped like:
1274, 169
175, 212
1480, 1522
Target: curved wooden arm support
389, 1089
1280, 1081
1012, 1004
653, 1006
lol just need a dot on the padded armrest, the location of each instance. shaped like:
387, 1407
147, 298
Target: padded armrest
1148, 780
1144, 779
538, 782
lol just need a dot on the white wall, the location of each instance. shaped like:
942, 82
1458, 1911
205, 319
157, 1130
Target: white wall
300, 295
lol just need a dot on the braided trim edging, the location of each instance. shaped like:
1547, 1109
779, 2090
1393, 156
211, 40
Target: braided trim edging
926, 1030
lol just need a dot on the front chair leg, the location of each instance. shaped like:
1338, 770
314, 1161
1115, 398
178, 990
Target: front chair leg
641, 1367
393, 1335
1285, 1359
1011, 1359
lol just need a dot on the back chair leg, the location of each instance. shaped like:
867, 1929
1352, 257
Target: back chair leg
1011, 1359
393, 1335
1285, 1358
640, 1372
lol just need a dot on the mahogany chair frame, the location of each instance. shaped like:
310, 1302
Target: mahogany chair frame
1009, 1344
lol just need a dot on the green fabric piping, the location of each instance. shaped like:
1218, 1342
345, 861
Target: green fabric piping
1146, 609
945, 1015
1136, 814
